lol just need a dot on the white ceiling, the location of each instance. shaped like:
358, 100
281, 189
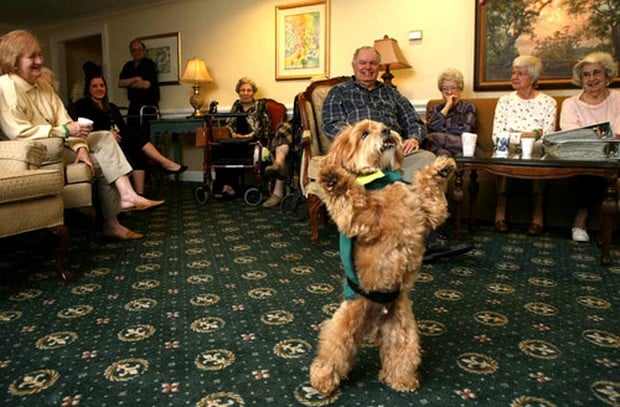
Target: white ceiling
30, 14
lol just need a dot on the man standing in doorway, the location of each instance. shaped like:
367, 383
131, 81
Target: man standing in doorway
139, 76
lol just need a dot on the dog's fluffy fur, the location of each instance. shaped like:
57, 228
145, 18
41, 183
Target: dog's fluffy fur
388, 226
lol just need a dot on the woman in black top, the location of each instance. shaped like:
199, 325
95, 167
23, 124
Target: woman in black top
106, 116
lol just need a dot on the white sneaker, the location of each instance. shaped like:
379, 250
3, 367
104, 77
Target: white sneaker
580, 235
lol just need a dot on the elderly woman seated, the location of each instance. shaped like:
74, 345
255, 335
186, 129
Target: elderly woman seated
447, 121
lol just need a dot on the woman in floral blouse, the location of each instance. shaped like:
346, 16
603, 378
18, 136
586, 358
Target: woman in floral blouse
525, 111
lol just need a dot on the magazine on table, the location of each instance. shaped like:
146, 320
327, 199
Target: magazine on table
593, 142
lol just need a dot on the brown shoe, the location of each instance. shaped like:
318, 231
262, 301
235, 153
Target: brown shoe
501, 225
273, 201
535, 229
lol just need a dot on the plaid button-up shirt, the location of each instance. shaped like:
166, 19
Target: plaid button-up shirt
348, 102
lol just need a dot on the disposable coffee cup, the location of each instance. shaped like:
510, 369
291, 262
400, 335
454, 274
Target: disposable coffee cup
469, 143
84, 121
527, 145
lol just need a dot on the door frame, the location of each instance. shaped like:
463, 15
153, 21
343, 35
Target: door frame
58, 56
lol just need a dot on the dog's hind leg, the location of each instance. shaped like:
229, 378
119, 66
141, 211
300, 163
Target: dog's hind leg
337, 347
400, 348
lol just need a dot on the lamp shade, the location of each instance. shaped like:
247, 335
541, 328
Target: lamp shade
196, 72
391, 54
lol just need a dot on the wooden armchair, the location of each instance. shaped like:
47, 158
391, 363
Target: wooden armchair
315, 146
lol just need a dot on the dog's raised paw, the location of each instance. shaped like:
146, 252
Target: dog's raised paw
445, 166
330, 180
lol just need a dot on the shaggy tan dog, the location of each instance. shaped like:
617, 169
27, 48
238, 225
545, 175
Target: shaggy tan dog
386, 229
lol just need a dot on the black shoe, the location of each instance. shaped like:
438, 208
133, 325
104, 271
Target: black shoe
181, 169
441, 248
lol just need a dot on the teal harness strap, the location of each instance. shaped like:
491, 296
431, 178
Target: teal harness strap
352, 286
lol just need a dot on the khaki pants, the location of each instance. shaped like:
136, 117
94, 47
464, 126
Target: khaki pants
110, 164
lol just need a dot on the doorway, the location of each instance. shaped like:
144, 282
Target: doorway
78, 51
69, 52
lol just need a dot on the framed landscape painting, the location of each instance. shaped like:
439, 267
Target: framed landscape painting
302, 39
560, 32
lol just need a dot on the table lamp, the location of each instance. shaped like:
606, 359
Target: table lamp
391, 58
196, 73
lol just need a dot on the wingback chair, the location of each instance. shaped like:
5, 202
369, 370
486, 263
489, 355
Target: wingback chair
31, 198
277, 113
315, 146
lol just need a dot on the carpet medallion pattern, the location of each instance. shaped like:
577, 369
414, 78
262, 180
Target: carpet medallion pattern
220, 305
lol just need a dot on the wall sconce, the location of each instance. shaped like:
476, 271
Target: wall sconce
391, 58
196, 73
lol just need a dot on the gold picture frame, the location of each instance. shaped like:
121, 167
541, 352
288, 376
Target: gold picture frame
165, 50
560, 33
302, 39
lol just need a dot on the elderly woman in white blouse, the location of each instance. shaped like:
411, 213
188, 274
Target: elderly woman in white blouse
527, 111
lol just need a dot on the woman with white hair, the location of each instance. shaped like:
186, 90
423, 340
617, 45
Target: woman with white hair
594, 104
527, 111
448, 120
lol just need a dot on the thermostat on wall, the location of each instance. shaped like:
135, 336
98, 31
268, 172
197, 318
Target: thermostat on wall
415, 35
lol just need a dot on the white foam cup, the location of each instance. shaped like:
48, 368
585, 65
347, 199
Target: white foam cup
84, 121
527, 145
469, 143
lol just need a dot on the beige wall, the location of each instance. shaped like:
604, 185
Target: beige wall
237, 38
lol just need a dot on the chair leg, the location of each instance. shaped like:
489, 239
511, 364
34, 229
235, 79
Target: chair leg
62, 232
315, 208
91, 218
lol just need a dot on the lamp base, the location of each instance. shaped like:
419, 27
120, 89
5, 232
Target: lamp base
387, 77
196, 101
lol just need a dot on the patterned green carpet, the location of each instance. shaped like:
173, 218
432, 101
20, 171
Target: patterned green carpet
220, 306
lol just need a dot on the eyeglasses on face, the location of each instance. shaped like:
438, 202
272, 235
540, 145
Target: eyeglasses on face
450, 88
594, 72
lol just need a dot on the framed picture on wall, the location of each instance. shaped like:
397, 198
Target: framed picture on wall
558, 32
302, 39
165, 50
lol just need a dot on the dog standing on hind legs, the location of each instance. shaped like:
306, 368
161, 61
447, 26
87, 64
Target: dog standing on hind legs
382, 222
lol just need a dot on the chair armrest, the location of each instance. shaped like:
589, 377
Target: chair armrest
55, 150
21, 155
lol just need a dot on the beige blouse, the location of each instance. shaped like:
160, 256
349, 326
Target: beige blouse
33, 111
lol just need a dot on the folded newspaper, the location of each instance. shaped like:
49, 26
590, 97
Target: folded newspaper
589, 143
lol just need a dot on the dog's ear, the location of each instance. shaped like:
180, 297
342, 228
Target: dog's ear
342, 149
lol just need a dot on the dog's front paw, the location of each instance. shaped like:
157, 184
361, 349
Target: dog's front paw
330, 180
444, 166
334, 180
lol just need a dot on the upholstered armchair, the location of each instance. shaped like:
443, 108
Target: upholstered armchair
31, 198
77, 192
315, 144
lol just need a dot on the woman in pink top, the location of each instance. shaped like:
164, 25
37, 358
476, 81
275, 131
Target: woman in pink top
596, 103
